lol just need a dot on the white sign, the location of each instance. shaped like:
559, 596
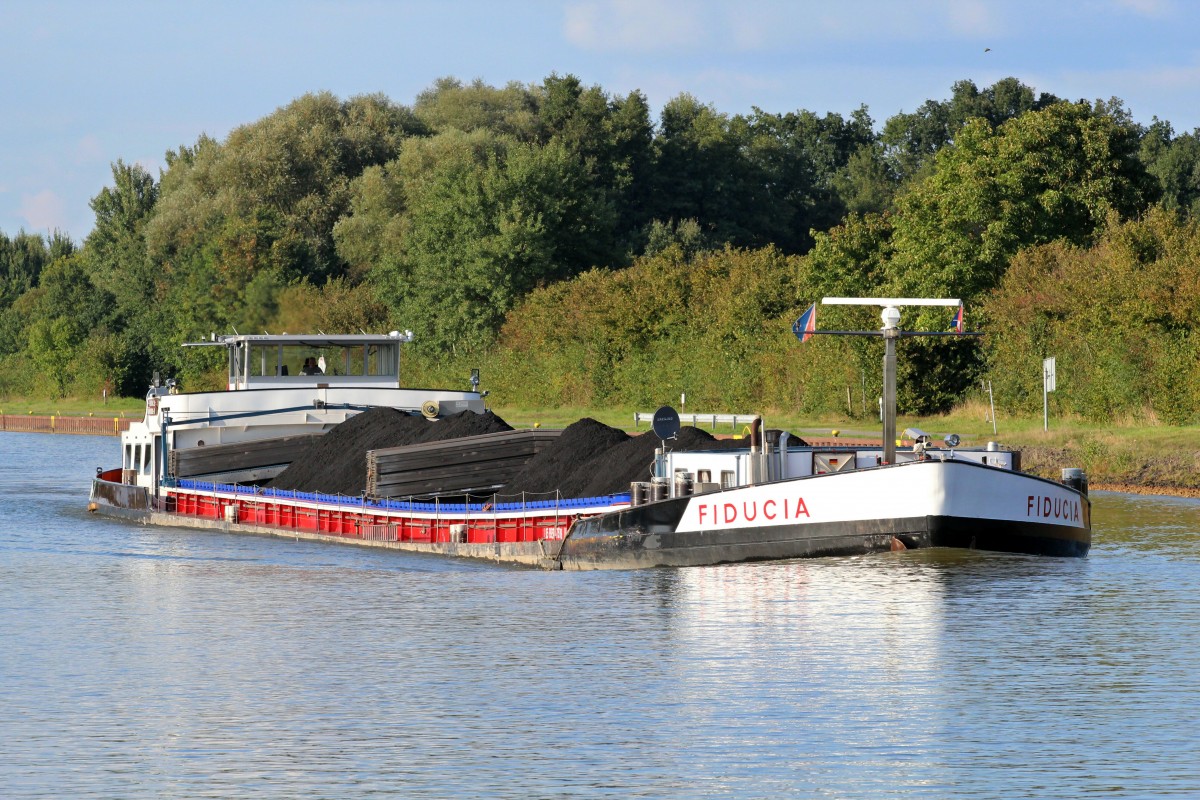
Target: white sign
1048, 374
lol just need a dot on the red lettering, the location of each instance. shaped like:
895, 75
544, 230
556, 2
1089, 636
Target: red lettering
1045, 506
801, 508
1058, 507
730, 513
703, 508
1029, 506
749, 514
770, 515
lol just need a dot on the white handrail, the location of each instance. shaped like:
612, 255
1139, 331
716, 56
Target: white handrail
696, 420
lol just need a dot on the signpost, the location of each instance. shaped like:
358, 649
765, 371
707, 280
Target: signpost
1047, 388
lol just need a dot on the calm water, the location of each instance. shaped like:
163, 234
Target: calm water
144, 663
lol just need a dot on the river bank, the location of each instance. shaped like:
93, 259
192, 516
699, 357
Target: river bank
1116, 464
64, 423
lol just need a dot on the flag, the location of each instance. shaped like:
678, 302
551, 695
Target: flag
806, 325
956, 322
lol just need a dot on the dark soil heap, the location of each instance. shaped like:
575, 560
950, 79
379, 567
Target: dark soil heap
336, 463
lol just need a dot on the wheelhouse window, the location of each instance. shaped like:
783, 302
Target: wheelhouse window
294, 361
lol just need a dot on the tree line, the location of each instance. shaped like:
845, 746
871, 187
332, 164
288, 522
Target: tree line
582, 252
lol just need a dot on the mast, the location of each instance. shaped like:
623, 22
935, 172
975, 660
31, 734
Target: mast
890, 332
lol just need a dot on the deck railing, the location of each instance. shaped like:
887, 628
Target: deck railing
56, 423
478, 520
696, 420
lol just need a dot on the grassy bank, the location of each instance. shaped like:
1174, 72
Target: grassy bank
71, 406
1130, 455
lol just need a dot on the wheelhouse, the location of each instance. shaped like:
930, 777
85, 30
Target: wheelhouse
283, 361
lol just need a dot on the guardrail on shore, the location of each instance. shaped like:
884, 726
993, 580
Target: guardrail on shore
55, 423
696, 420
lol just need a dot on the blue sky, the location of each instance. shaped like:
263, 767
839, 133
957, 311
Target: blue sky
85, 83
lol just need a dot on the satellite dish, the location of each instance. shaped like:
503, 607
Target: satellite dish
666, 423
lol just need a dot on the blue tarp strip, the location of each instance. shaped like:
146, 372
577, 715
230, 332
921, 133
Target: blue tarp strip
404, 505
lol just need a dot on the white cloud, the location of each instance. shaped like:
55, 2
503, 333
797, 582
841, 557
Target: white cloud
972, 18
657, 27
152, 165
646, 26
1164, 92
88, 149
1155, 9
44, 211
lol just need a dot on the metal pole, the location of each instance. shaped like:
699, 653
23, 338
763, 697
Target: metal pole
1045, 405
889, 394
163, 452
992, 403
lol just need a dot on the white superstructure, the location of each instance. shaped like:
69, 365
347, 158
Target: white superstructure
279, 385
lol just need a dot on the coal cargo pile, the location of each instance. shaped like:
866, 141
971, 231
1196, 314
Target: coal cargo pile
468, 423
579, 443
337, 462
612, 471
591, 459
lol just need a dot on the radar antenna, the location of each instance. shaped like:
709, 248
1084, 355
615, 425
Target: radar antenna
890, 332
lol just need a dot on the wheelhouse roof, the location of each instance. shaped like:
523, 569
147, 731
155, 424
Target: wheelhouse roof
302, 340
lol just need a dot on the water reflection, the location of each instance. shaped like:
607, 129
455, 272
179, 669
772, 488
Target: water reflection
1169, 526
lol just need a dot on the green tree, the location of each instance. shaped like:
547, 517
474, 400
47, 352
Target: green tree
452, 105
1119, 316
22, 259
912, 140
116, 247
1052, 174
1175, 162
704, 325
484, 228
25, 260
60, 314
612, 138
701, 172
866, 185
799, 158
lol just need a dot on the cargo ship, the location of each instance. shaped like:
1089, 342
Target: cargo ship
205, 460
